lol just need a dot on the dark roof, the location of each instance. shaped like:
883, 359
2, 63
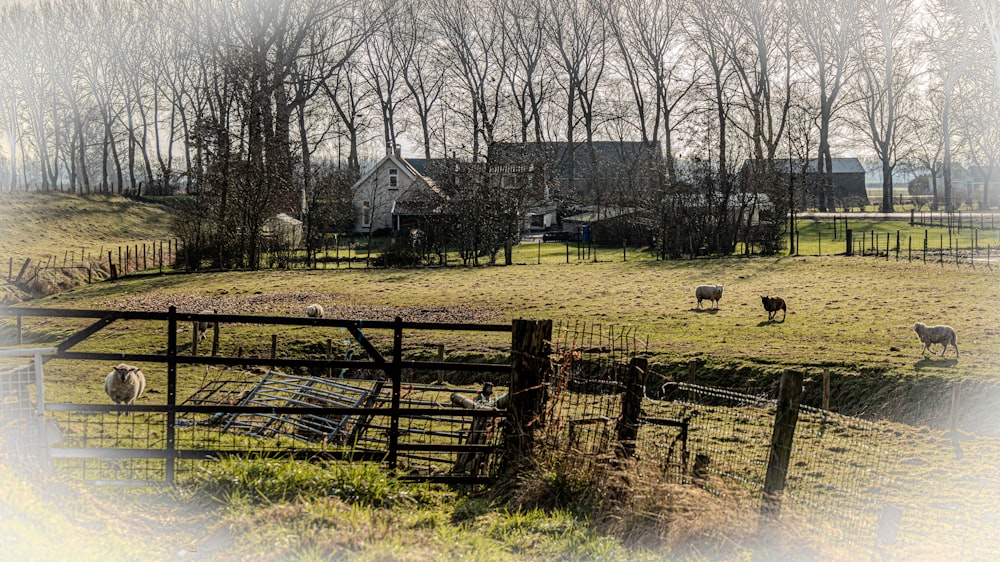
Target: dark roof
422, 165
840, 165
612, 158
979, 173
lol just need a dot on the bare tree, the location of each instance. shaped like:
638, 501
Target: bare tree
948, 38
827, 30
647, 34
477, 43
577, 34
387, 56
990, 12
424, 71
887, 72
925, 145
524, 26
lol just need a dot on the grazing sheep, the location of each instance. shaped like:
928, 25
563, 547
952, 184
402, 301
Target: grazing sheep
944, 335
708, 292
314, 311
124, 384
204, 325
772, 305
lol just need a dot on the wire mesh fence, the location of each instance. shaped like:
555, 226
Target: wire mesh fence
836, 479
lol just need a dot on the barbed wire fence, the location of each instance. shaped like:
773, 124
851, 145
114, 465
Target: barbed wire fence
836, 481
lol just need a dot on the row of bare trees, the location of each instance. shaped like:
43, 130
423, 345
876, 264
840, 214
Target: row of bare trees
241, 100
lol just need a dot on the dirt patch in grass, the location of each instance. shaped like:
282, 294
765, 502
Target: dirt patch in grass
293, 303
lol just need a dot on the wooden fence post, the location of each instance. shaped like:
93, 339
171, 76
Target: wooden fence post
635, 390
849, 243
692, 369
785, 419
274, 348
396, 375
826, 389
440, 360
530, 365
194, 338
27, 261
329, 356
171, 391
215, 338
956, 389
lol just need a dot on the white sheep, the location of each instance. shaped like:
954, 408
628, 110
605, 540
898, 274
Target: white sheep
314, 311
708, 292
204, 325
944, 335
124, 384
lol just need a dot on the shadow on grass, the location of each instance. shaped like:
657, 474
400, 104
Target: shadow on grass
934, 362
705, 310
763, 323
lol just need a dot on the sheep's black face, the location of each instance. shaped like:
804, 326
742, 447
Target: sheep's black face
122, 374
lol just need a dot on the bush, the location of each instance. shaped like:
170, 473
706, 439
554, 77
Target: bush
399, 253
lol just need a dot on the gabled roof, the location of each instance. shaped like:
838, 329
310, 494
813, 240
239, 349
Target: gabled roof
840, 165
610, 158
979, 173
396, 160
411, 171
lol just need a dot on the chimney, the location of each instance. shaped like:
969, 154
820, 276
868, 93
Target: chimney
388, 148
399, 152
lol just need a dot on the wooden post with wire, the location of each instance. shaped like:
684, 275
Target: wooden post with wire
530, 364
785, 419
440, 357
826, 389
628, 423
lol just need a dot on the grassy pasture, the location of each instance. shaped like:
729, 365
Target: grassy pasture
851, 315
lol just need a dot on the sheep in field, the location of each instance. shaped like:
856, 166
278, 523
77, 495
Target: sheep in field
204, 325
124, 384
708, 292
772, 305
944, 335
314, 311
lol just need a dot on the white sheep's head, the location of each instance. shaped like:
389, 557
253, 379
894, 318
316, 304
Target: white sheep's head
123, 371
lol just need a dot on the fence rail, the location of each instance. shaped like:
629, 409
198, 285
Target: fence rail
383, 418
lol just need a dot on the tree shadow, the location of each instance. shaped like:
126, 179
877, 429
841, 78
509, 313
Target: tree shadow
934, 362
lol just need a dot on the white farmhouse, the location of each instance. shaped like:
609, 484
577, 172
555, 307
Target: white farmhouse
392, 193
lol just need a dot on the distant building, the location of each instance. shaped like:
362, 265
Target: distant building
284, 229
587, 171
393, 193
848, 175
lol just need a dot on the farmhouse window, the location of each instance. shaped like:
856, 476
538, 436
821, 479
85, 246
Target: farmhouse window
366, 215
393, 178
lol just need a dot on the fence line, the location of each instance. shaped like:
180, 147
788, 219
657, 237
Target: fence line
111, 261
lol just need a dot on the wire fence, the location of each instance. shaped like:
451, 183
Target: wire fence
837, 476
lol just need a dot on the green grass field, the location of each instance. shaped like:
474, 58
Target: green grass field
853, 316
